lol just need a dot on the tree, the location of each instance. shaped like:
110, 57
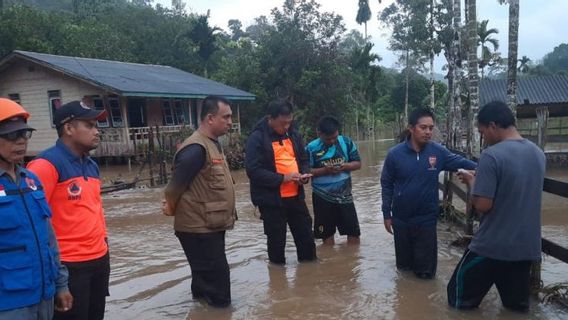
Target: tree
524, 65
363, 14
557, 60
472, 146
235, 26
178, 6
487, 55
513, 53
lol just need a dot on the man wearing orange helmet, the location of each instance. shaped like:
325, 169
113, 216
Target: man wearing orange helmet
30, 271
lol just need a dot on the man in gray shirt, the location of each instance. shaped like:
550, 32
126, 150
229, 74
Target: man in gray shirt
507, 193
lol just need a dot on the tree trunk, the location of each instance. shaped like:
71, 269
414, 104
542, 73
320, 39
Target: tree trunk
472, 146
432, 85
455, 100
405, 120
513, 47
365, 31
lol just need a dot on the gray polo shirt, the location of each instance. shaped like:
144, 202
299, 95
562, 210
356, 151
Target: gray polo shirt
511, 173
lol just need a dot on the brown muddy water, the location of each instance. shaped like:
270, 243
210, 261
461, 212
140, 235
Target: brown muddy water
150, 276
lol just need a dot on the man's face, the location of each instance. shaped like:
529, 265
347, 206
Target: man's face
14, 150
489, 133
83, 133
421, 133
221, 122
281, 124
329, 139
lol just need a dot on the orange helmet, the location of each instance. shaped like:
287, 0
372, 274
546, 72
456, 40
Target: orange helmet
10, 109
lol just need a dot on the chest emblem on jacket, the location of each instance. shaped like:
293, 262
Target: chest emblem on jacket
74, 190
432, 160
2, 191
31, 184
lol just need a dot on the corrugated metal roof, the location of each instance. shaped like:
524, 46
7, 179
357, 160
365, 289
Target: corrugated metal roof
537, 90
133, 79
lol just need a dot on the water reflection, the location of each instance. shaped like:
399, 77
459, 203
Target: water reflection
151, 279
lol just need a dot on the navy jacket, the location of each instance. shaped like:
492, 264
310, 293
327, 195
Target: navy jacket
260, 166
30, 270
409, 181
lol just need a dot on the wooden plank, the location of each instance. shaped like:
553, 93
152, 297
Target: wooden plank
554, 250
559, 188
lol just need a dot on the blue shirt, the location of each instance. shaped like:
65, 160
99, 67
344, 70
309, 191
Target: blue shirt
409, 181
334, 188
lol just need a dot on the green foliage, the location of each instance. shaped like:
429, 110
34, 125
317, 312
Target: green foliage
557, 60
297, 52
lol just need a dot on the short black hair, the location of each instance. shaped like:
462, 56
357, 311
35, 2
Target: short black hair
419, 113
210, 105
328, 125
278, 108
497, 112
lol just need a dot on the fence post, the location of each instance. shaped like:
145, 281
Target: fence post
151, 155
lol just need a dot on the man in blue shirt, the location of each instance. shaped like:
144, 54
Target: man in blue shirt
332, 158
410, 202
507, 192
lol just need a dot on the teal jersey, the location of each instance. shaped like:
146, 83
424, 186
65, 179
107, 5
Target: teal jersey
335, 187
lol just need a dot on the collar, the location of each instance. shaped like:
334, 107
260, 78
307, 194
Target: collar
66, 152
19, 171
411, 148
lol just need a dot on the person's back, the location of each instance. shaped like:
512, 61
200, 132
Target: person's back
511, 229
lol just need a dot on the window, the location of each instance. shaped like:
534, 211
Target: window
179, 112
54, 99
99, 105
168, 113
115, 112
14, 97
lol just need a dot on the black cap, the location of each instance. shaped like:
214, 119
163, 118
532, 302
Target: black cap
76, 110
14, 124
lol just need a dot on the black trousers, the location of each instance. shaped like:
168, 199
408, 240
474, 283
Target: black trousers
416, 249
474, 275
293, 212
88, 284
210, 275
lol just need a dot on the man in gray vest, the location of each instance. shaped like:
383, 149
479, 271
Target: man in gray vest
201, 198
507, 193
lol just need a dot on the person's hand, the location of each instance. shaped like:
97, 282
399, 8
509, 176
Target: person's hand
338, 168
305, 178
166, 209
294, 176
63, 301
388, 225
466, 176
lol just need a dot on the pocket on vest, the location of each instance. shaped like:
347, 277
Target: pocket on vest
216, 214
16, 270
217, 180
9, 214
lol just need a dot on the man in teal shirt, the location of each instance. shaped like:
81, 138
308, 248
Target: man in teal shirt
332, 158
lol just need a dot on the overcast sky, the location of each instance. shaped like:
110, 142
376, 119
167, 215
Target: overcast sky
541, 27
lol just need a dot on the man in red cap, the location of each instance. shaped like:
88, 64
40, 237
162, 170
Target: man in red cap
73, 190
30, 272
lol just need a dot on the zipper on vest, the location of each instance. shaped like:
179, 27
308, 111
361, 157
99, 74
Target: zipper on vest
37, 243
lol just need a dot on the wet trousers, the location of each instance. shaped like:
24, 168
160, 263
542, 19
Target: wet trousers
295, 214
416, 249
88, 284
474, 275
210, 275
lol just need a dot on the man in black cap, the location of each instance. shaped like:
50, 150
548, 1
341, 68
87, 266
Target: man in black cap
31, 275
73, 190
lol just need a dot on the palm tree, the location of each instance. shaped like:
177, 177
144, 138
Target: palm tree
524, 65
364, 14
485, 39
472, 146
513, 52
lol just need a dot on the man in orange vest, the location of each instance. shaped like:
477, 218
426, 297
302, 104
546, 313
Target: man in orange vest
277, 166
73, 190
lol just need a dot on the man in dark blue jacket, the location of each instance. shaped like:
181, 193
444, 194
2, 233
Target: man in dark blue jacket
409, 182
277, 166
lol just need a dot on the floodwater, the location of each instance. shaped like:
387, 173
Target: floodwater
150, 276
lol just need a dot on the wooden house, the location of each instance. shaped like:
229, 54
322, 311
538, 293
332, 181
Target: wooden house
136, 96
